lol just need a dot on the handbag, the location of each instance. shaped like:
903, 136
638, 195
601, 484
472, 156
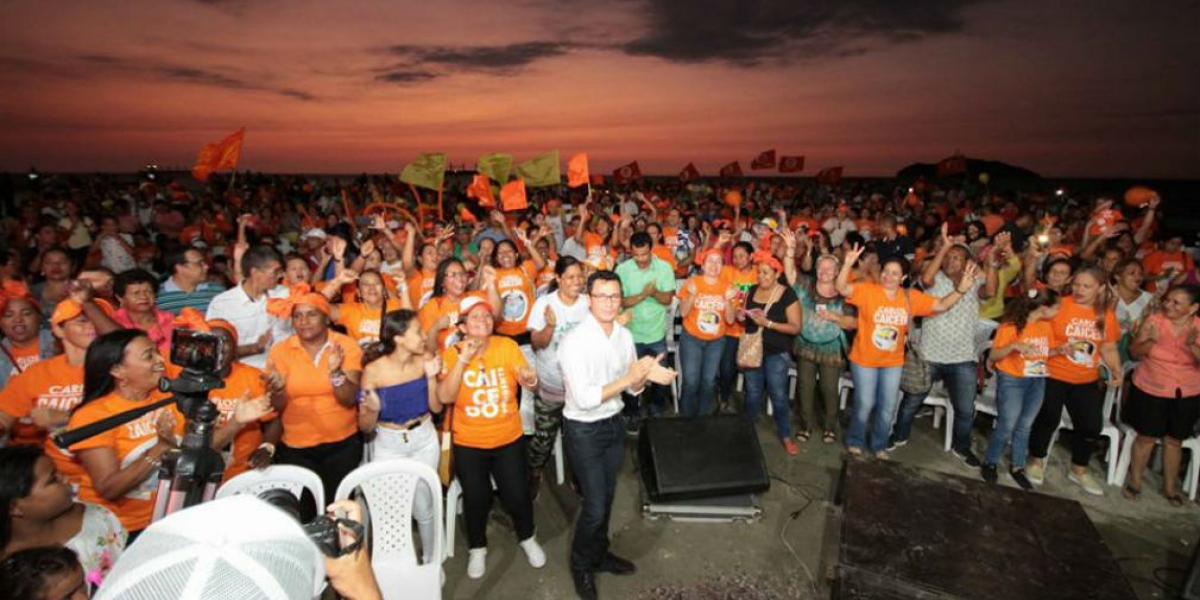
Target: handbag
446, 460
915, 377
750, 345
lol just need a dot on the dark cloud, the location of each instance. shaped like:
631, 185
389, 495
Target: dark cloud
404, 76
193, 75
749, 32
184, 74
505, 59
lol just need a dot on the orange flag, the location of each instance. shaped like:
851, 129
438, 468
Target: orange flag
221, 155
481, 189
465, 215
512, 196
577, 170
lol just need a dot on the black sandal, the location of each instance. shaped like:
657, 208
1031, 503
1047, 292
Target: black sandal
1176, 500
1131, 493
803, 436
829, 436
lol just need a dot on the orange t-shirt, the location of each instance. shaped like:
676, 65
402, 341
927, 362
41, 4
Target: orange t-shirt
515, 288
1036, 334
361, 321
664, 253
130, 441
53, 384
883, 323
435, 309
1075, 326
743, 281
706, 320
313, 415
1157, 264
420, 288
865, 226
25, 357
242, 378
992, 223
485, 411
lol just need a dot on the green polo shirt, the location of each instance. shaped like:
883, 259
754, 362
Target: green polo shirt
649, 322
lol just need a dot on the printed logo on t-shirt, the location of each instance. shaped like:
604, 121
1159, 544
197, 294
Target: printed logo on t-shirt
1082, 336
888, 320
1035, 362
489, 389
515, 304
708, 321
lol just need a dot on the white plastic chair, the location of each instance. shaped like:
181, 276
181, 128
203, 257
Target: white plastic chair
286, 477
1108, 430
390, 486
1191, 481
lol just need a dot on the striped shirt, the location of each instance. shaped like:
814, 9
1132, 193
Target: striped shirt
172, 299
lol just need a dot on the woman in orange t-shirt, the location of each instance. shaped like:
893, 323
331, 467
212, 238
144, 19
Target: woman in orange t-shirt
742, 275
439, 316
479, 383
25, 342
1164, 396
121, 373
706, 305
877, 357
1020, 351
514, 285
420, 276
312, 378
1085, 334
361, 317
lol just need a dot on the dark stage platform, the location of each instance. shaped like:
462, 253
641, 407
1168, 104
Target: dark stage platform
909, 533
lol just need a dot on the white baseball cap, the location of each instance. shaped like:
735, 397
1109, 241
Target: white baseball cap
316, 233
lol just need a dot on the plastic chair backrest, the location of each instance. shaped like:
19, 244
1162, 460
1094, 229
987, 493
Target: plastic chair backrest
390, 487
287, 477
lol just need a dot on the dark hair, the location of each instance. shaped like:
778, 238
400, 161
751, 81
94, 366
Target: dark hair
258, 257
902, 262
640, 239
439, 280
16, 481
746, 246
560, 268
395, 323
1192, 291
1017, 310
134, 277
496, 252
59, 250
598, 276
1126, 263
177, 257
25, 574
104, 353
1050, 264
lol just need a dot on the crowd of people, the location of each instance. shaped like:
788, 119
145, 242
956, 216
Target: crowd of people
354, 316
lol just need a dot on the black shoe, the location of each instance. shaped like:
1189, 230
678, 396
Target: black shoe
895, 443
585, 584
968, 457
1018, 475
989, 473
616, 565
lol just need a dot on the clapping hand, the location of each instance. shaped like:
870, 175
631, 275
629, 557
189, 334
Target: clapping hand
249, 410
273, 380
527, 377
433, 366
336, 356
371, 401
551, 317
164, 424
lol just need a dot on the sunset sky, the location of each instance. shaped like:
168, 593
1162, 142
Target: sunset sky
1068, 88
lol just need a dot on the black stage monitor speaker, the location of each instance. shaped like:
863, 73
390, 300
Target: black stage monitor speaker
685, 459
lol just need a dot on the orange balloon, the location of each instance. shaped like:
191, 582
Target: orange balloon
733, 198
1139, 196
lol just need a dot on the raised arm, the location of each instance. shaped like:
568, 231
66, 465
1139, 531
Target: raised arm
968, 279
844, 287
933, 265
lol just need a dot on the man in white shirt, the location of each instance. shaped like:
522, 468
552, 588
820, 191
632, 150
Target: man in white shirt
598, 364
245, 305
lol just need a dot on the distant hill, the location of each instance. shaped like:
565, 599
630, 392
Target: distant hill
997, 171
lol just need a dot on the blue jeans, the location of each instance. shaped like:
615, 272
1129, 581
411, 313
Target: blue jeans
654, 394
1018, 400
595, 451
773, 375
876, 392
700, 360
959, 379
729, 370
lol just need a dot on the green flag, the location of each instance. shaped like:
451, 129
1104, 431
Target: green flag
427, 171
496, 166
541, 171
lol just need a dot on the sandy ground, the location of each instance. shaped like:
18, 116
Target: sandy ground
790, 553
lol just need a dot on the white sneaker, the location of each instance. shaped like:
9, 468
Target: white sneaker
476, 562
1087, 482
1036, 473
533, 552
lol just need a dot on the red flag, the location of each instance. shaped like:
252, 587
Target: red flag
732, 169
765, 160
481, 189
791, 164
221, 155
627, 173
952, 166
597, 180
689, 173
512, 195
830, 176
577, 170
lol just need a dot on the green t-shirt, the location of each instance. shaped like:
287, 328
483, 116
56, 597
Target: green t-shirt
649, 322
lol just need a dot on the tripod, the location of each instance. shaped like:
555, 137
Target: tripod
191, 473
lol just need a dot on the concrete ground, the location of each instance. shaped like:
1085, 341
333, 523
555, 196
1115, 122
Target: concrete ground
791, 552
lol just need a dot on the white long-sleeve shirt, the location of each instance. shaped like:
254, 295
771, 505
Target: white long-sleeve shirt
590, 360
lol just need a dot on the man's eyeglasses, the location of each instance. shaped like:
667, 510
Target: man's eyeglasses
606, 297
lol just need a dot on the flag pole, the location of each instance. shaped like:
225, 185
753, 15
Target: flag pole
441, 214
232, 177
420, 213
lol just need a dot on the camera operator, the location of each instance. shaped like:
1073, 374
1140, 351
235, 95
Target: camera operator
122, 370
246, 416
313, 379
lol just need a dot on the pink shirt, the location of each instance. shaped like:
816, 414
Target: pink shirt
1170, 366
160, 334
